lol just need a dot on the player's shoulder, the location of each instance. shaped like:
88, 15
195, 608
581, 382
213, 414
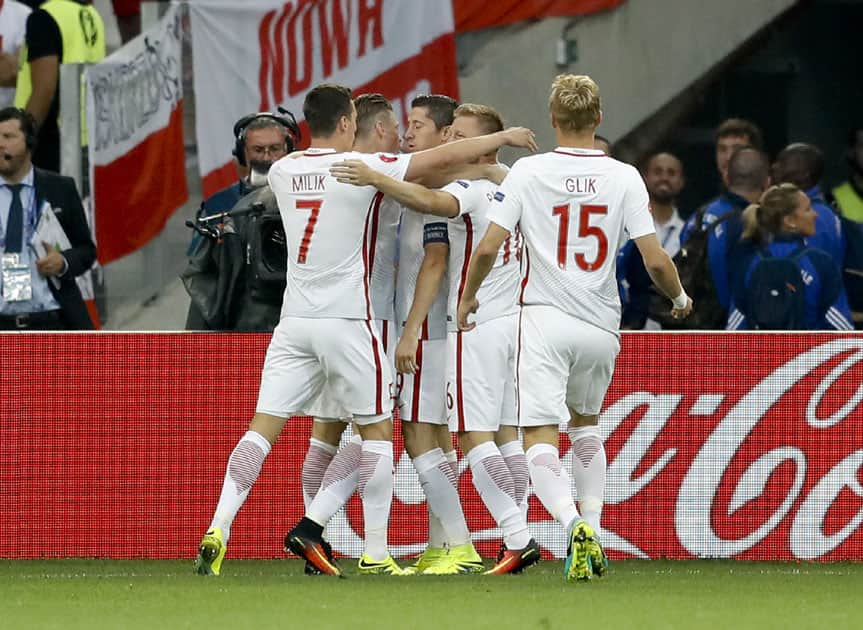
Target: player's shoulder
527, 165
620, 168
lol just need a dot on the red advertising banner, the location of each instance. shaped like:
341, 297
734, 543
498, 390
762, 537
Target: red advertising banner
719, 445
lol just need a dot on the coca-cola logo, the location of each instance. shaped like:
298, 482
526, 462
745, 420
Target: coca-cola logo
700, 487
755, 453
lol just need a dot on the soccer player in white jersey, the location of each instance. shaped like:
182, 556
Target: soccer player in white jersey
480, 366
421, 312
325, 335
573, 206
323, 468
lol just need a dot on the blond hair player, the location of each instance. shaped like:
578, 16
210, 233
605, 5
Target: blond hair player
574, 206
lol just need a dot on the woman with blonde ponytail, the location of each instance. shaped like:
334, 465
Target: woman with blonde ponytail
778, 283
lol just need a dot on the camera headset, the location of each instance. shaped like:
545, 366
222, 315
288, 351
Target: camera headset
286, 120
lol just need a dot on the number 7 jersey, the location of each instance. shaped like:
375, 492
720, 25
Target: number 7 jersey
330, 232
575, 208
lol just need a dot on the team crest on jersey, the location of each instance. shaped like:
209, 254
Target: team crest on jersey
387, 158
498, 196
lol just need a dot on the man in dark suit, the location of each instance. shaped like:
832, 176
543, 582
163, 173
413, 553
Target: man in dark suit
38, 293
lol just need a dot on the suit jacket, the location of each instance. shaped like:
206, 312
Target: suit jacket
62, 195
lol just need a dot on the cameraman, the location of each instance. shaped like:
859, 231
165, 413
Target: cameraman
260, 140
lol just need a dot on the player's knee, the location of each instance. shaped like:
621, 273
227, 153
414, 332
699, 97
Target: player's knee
329, 431
379, 430
580, 420
505, 435
545, 434
419, 438
267, 425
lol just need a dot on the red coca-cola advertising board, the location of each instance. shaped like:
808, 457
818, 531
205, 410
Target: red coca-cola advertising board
719, 445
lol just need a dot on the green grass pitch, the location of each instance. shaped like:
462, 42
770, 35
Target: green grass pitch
698, 594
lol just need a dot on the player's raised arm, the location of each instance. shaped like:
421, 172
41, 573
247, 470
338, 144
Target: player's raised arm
429, 167
413, 196
664, 274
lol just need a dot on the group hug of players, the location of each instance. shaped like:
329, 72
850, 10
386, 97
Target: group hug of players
499, 287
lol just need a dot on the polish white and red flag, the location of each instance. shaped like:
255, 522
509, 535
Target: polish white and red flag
135, 133
257, 56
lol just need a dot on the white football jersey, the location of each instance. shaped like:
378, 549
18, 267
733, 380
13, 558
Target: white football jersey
328, 228
411, 254
575, 208
498, 295
384, 226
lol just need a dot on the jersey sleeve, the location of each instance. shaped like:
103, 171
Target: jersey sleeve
390, 164
507, 204
636, 206
468, 195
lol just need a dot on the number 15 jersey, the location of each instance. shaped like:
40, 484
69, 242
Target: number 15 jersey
329, 228
574, 207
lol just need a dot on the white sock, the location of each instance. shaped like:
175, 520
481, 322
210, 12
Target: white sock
437, 481
437, 535
588, 470
493, 481
513, 455
452, 459
244, 466
552, 488
339, 482
318, 457
376, 490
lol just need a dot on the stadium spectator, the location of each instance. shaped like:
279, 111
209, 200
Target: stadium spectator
778, 282
849, 194
13, 23
802, 164
748, 174
664, 178
39, 292
58, 32
570, 313
732, 134
259, 140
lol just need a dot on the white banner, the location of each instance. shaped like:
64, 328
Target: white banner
135, 130
132, 93
259, 54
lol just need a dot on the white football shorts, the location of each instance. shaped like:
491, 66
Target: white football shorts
305, 354
481, 376
562, 362
325, 408
422, 396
